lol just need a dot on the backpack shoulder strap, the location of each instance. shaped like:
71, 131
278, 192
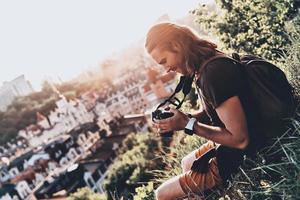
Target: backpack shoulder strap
204, 64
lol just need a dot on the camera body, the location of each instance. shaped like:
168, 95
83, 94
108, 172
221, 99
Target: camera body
160, 114
184, 85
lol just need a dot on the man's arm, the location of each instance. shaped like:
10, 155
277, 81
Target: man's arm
230, 112
201, 116
235, 133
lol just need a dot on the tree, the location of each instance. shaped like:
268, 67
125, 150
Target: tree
47, 88
22, 112
250, 26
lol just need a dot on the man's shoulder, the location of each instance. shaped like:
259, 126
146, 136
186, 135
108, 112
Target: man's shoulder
218, 68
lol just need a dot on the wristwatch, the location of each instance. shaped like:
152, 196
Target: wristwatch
189, 128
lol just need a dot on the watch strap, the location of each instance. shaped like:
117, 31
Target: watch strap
189, 128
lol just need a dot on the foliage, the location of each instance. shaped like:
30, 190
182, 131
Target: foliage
273, 173
250, 26
287, 185
145, 192
181, 146
22, 112
292, 56
132, 168
85, 194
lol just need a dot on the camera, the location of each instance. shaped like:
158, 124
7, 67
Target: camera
160, 114
185, 84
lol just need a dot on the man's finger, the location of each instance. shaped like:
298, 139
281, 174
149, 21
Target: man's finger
163, 121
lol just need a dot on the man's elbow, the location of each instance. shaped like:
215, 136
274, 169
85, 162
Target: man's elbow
243, 142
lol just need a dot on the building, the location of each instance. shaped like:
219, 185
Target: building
89, 172
69, 181
158, 87
59, 147
8, 192
71, 113
42, 121
127, 95
76, 176
9, 90
67, 116
18, 164
4, 174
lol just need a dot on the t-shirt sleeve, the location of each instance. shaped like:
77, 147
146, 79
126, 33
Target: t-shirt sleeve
221, 80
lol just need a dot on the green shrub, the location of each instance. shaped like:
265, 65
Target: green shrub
145, 192
291, 58
86, 194
275, 172
132, 168
250, 26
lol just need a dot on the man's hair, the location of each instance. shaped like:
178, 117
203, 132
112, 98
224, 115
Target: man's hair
194, 50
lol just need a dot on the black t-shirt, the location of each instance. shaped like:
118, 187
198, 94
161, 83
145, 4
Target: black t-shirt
220, 80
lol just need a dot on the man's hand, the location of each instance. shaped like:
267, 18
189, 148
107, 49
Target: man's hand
175, 123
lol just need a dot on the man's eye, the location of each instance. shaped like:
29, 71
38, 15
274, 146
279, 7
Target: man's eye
163, 61
170, 69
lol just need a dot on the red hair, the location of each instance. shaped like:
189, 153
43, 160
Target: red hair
194, 50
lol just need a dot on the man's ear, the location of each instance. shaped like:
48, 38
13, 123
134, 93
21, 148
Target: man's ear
175, 47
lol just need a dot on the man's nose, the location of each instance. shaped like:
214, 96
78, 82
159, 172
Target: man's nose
168, 68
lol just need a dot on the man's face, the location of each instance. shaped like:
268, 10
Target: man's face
170, 60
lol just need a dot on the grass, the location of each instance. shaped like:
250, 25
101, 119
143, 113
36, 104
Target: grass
274, 173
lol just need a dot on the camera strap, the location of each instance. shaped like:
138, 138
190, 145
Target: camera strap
184, 85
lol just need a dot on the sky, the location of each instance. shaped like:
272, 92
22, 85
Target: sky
62, 38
